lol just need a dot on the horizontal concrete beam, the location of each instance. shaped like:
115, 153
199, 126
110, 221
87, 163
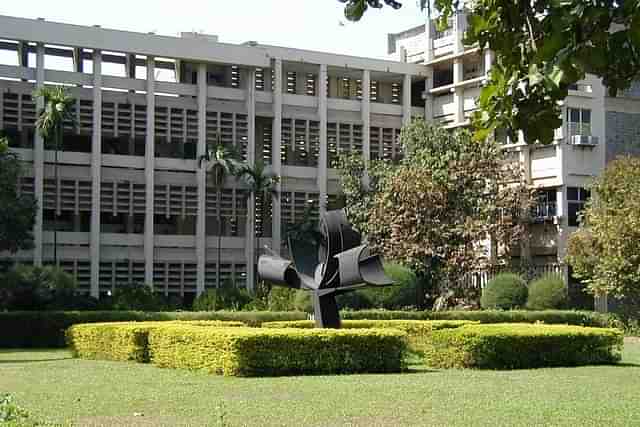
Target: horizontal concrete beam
142, 44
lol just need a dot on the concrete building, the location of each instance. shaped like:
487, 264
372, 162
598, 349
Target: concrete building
132, 201
596, 129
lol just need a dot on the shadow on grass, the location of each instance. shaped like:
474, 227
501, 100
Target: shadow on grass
7, 361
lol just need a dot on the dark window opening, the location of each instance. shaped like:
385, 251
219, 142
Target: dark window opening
174, 225
577, 197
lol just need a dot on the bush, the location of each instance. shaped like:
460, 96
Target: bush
302, 301
227, 297
261, 352
518, 346
402, 294
122, 341
26, 287
564, 317
547, 292
40, 329
418, 331
136, 297
505, 291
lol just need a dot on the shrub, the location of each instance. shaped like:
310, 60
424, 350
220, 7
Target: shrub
122, 341
518, 346
357, 300
27, 287
402, 294
46, 328
505, 291
302, 301
565, 317
227, 297
547, 292
418, 331
258, 352
136, 297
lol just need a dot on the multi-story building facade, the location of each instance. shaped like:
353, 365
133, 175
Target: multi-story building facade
132, 202
596, 128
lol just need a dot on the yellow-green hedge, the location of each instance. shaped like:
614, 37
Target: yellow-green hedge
122, 340
516, 346
261, 352
418, 331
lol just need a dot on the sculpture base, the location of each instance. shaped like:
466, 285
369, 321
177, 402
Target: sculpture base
326, 309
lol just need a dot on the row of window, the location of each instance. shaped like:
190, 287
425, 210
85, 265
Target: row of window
545, 205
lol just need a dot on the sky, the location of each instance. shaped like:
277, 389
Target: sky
303, 24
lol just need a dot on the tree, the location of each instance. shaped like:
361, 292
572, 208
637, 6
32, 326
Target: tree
605, 251
57, 111
222, 163
17, 211
541, 48
260, 184
432, 210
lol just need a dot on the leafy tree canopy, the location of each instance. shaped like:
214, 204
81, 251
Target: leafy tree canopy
541, 48
432, 210
605, 252
17, 211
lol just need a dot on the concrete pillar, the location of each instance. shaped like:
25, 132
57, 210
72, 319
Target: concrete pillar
488, 61
322, 158
96, 168
366, 116
428, 34
78, 63
38, 163
406, 100
458, 94
428, 100
459, 25
276, 146
201, 178
250, 241
149, 167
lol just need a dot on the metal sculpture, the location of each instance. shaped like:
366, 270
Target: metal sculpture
346, 265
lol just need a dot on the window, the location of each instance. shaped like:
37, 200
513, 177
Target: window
235, 76
545, 204
260, 79
576, 199
578, 122
310, 85
291, 82
374, 91
395, 93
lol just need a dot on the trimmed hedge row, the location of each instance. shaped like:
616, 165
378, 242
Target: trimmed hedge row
46, 328
418, 331
517, 346
242, 351
123, 341
561, 317
267, 352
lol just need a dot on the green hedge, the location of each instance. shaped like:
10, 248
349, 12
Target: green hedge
418, 331
562, 317
516, 346
263, 351
123, 341
23, 329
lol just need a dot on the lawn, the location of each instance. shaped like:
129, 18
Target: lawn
55, 387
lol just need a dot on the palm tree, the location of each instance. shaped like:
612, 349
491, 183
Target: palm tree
222, 163
260, 183
57, 111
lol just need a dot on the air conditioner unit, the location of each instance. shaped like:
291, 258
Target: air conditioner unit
584, 140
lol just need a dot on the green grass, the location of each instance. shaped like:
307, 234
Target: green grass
57, 388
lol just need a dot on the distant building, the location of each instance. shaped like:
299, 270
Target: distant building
133, 204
